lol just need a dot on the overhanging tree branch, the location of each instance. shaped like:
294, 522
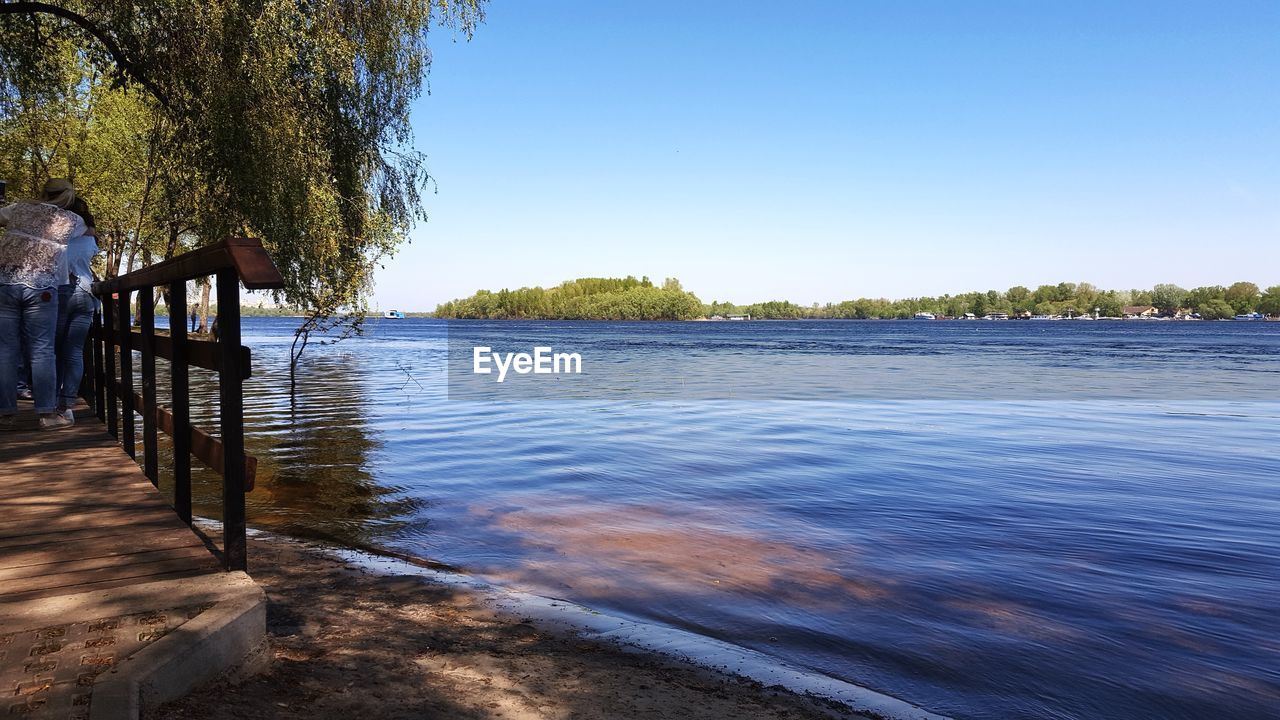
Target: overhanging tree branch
121, 59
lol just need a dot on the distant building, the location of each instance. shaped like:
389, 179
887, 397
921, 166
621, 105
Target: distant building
1140, 311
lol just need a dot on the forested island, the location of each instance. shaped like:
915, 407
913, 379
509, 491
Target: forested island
631, 299
582, 299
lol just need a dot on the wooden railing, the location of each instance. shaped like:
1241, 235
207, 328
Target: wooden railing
234, 262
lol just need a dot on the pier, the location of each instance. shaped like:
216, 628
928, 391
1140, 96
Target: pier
111, 600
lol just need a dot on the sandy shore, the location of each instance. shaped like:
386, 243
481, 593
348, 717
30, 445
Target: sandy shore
348, 642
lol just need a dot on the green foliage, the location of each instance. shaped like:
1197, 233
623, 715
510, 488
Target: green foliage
288, 121
615, 299
1242, 297
1215, 309
1168, 298
1199, 298
582, 299
1269, 304
1061, 299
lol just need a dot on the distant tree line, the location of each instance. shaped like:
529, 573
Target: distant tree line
1211, 302
631, 299
582, 299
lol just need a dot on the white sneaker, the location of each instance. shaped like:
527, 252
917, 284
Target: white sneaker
70, 415
54, 421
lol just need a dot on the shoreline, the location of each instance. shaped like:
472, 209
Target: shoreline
430, 639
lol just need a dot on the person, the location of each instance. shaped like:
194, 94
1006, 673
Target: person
33, 263
76, 306
195, 315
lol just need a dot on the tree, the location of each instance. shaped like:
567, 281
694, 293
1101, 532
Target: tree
1019, 297
1216, 310
1242, 296
1269, 304
1168, 298
291, 119
1199, 297
582, 299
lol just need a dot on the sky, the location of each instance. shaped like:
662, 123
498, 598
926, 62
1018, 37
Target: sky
823, 151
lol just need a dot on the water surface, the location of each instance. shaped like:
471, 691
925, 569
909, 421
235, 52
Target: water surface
1101, 541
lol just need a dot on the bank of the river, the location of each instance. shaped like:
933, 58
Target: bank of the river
350, 642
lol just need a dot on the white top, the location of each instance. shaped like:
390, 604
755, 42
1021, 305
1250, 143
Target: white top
33, 249
80, 252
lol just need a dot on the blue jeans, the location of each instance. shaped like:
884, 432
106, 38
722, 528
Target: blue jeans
29, 315
75, 315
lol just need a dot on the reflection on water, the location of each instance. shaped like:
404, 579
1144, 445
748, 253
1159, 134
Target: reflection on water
313, 449
1031, 558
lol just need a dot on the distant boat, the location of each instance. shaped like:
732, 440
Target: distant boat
393, 315
924, 316
996, 316
1250, 316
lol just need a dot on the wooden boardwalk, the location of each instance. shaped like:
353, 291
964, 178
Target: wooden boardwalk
77, 514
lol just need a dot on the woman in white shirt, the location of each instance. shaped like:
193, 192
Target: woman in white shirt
33, 264
76, 305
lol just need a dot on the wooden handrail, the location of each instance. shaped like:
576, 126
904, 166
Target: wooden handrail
233, 262
244, 255
202, 353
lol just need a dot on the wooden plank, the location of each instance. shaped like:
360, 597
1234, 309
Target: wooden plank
109, 367
253, 265
171, 524
70, 489
201, 353
22, 526
244, 255
204, 446
89, 577
147, 341
142, 557
44, 508
99, 548
235, 482
180, 400
105, 584
128, 406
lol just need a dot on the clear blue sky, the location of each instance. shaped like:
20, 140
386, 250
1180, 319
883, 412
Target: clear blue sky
819, 151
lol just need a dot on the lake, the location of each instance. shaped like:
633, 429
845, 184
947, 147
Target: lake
987, 519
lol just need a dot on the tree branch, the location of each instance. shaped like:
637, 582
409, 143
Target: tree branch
122, 61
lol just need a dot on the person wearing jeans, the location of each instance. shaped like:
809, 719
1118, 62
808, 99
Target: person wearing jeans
32, 315
76, 305
75, 315
33, 264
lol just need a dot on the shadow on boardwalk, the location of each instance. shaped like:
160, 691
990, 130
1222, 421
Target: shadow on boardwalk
99, 579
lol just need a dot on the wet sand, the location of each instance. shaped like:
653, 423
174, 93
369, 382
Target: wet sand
346, 641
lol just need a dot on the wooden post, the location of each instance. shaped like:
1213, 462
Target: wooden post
180, 400
124, 330
231, 394
109, 349
146, 315
233, 262
99, 374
